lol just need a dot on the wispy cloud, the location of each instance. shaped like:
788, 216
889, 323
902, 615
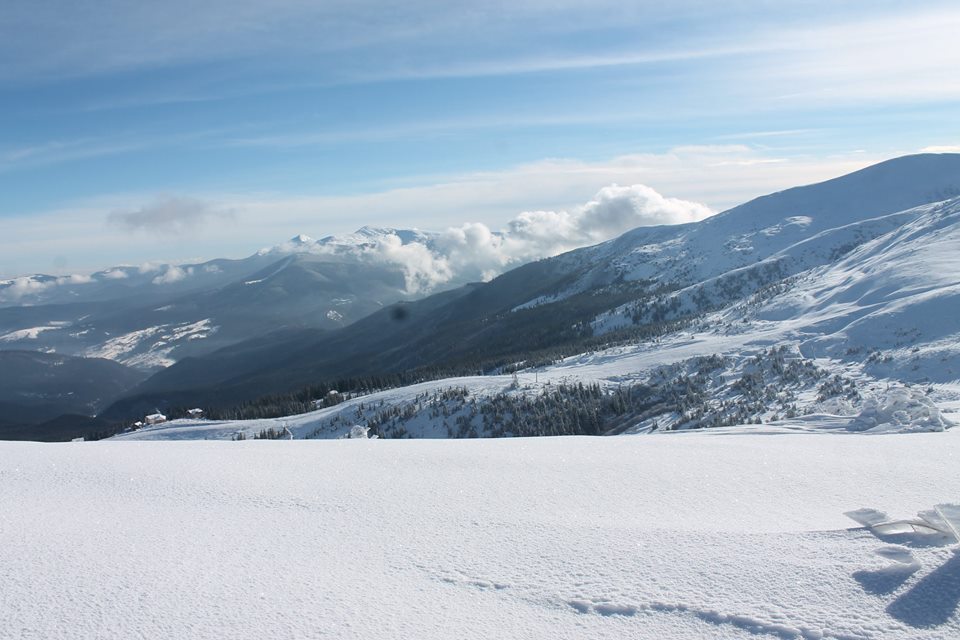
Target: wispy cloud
540, 64
58, 151
906, 57
307, 135
120, 35
424, 39
895, 54
778, 133
172, 215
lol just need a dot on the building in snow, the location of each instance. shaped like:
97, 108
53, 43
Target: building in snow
155, 418
195, 413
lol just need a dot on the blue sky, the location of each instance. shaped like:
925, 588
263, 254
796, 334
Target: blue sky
286, 116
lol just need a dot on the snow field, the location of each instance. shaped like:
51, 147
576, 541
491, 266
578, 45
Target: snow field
674, 536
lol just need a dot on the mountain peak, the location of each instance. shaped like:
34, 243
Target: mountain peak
893, 185
301, 239
374, 232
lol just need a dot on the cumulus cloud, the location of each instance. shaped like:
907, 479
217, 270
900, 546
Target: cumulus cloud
76, 278
612, 211
25, 286
172, 215
472, 251
172, 274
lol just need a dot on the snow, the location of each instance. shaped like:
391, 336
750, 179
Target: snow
690, 535
275, 272
902, 409
889, 307
27, 334
883, 406
151, 347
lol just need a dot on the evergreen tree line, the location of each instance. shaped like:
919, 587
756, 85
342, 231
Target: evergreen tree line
276, 405
694, 394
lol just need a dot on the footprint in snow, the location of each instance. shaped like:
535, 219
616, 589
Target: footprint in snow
602, 607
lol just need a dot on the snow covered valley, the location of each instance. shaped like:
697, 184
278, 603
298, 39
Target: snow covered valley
725, 533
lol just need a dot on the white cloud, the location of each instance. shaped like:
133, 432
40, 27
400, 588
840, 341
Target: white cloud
477, 251
403, 40
76, 278
121, 35
472, 251
26, 286
905, 57
423, 270
943, 148
719, 176
172, 274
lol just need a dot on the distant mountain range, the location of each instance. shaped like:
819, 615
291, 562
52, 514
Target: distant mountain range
644, 283
861, 269
149, 317
37, 388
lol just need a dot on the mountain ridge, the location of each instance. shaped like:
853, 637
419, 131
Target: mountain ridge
562, 300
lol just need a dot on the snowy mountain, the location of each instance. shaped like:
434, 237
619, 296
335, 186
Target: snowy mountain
146, 282
151, 316
750, 234
754, 275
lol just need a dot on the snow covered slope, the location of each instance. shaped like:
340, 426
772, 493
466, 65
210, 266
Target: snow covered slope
896, 297
693, 535
638, 284
842, 336
682, 270
682, 255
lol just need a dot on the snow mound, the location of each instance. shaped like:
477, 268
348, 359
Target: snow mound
900, 410
358, 432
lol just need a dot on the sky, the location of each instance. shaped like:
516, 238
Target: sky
139, 131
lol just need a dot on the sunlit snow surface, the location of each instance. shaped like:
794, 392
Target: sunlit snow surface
709, 534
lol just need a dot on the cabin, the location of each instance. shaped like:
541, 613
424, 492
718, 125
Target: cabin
196, 414
155, 418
